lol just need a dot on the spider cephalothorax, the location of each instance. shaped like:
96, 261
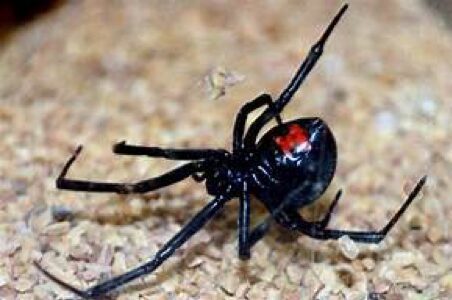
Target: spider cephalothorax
289, 167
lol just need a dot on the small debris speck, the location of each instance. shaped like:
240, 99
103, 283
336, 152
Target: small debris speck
348, 247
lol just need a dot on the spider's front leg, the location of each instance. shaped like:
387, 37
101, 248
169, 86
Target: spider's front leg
302, 73
240, 121
143, 186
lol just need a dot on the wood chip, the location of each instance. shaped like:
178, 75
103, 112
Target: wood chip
57, 229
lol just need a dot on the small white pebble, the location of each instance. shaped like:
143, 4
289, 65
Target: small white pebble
348, 247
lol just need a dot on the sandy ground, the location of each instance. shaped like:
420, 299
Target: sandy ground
174, 74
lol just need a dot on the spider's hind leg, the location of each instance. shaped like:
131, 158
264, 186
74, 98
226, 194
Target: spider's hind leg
316, 231
143, 186
323, 223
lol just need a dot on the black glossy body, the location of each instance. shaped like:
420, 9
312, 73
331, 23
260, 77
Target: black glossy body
288, 168
273, 176
299, 177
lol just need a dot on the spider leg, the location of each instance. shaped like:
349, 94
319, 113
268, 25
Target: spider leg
317, 232
143, 186
293, 220
261, 230
278, 215
192, 227
67, 286
247, 108
176, 154
326, 219
299, 77
244, 223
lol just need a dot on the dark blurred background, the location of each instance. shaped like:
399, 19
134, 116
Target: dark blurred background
15, 13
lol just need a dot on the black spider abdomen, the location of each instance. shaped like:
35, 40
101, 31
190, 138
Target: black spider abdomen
297, 163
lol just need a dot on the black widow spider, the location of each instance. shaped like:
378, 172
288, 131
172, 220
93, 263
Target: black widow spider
290, 167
